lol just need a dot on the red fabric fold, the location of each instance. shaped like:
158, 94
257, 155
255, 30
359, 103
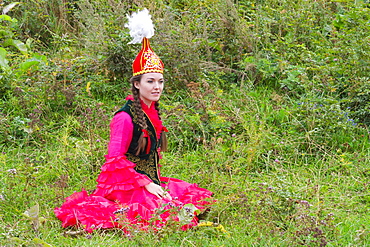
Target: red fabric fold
118, 176
93, 211
114, 163
148, 143
152, 113
88, 212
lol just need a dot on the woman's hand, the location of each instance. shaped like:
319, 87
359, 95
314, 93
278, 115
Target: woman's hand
158, 191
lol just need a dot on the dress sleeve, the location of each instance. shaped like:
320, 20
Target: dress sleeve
118, 173
121, 129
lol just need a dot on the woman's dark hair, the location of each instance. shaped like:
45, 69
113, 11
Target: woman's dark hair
141, 117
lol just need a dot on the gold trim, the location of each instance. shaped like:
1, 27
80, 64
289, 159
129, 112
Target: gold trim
148, 71
143, 166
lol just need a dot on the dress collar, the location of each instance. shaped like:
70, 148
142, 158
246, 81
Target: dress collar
152, 113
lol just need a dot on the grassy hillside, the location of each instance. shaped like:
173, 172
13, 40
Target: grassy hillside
267, 104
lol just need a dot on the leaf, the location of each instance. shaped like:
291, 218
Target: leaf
20, 46
40, 242
28, 64
29, 43
28, 130
33, 214
5, 18
205, 223
35, 60
3, 60
9, 7
88, 87
221, 228
5, 34
187, 213
38, 57
17, 44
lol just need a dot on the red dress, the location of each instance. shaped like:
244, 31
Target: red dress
121, 200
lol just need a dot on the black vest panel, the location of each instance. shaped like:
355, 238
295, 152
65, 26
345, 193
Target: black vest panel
146, 163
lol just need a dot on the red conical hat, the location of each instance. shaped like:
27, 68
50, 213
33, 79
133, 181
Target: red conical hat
147, 61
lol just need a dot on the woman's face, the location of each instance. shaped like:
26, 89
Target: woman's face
150, 87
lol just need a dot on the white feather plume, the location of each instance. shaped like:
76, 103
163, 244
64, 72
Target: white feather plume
140, 25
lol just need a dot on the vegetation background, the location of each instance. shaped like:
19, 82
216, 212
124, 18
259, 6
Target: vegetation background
267, 103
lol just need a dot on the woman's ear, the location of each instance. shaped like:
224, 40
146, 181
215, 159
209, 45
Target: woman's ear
137, 85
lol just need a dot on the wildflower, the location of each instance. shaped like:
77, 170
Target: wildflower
305, 203
233, 135
2, 198
98, 140
335, 59
187, 209
206, 223
12, 171
222, 229
121, 210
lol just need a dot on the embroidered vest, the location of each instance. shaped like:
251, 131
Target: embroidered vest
146, 162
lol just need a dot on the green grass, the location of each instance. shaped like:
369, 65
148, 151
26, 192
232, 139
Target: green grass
270, 191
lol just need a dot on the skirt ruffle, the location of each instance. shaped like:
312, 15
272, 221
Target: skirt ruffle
118, 174
87, 211
119, 201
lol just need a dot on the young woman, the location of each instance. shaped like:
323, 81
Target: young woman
130, 189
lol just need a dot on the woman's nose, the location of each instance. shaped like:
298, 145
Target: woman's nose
156, 84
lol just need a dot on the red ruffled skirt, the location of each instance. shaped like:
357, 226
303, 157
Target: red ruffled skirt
121, 201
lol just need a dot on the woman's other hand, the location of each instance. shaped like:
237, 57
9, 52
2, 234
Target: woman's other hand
158, 191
